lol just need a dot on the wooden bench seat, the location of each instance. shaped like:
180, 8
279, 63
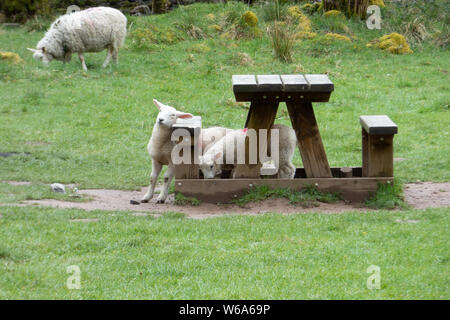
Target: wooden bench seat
378, 146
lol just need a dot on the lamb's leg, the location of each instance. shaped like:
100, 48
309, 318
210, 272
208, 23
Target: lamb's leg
156, 170
115, 55
83, 63
168, 176
108, 57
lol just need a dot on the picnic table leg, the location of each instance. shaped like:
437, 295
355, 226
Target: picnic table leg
310, 143
260, 116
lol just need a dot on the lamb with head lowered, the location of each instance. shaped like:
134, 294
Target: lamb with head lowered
90, 30
160, 146
212, 161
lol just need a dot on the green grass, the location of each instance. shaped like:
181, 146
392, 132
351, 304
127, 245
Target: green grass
181, 200
271, 256
92, 129
388, 196
308, 197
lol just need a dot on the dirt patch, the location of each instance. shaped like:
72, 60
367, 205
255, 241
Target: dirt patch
424, 195
119, 200
418, 195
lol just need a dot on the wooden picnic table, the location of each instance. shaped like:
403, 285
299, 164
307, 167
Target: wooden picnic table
298, 91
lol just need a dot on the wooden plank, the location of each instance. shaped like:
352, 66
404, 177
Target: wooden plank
244, 83
346, 172
380, 156
269, 83
294, 83
225, 190
310, 143
378, 125
188, 171
260, 116
319, 83
193, 125
365, 153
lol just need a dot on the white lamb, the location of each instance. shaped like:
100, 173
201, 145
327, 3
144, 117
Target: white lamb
212, 161
90, 30
160, 147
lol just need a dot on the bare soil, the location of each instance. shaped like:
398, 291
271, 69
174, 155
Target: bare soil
419, 195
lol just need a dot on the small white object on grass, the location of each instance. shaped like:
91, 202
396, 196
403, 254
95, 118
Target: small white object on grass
58, 187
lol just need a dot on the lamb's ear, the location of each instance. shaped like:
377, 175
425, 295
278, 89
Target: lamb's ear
43, 49
32, 50
158, 104
218, 156
183, 115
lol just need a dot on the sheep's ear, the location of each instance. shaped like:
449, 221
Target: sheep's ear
183, 115
43, 49
218, 156
32, 50
158, 104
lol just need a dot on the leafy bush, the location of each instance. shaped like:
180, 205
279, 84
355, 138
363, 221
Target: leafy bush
37, 23
20, 10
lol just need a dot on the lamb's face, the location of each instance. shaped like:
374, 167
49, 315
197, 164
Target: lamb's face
209, 166
41, 55
168, 115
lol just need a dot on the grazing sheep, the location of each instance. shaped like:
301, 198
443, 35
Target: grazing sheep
212, 161
90, 30
160, 146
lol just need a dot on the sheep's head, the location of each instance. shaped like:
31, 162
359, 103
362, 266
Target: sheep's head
209, 165
168, 115
41, 55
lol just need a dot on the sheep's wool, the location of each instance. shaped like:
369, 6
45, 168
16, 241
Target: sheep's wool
90, 30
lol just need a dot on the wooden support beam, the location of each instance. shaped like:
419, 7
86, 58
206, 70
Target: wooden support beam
310, 143
260, 116
193, 126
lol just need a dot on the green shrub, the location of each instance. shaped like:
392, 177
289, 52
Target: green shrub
145, 37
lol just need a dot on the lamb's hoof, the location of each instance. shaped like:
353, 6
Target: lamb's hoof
134, 202
144, 201
160, 201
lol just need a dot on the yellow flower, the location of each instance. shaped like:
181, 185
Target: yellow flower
336, 36
305, 35
334, 13
10, 57
250, 18
379, 3
394, 43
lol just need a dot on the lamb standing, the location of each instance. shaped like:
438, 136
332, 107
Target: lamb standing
90, 30
212, 161
160, 147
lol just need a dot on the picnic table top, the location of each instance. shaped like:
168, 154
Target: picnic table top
288, 83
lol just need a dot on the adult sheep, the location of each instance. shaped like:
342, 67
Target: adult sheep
90, 30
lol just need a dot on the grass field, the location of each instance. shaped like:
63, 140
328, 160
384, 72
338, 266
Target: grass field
92, 128
311, 256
